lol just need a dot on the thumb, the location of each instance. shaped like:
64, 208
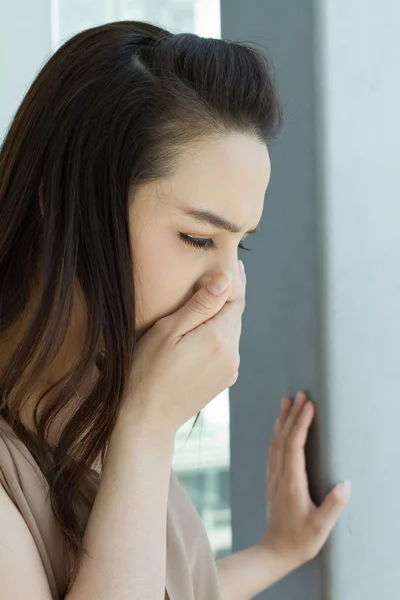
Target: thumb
333, 506
203, 305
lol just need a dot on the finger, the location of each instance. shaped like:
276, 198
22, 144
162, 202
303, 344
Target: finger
237, 329
243, 277
298, 434
286, 405
227, 322
243, 271
272, 451
203, 305
236, 334
278, 438
332, 507
234, 339
272, 467
294, 458
297, 407
271, 480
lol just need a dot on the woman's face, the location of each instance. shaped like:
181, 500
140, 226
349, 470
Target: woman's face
227, 178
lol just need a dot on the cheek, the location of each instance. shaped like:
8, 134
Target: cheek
163, 281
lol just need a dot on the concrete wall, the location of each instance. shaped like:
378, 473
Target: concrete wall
323, 310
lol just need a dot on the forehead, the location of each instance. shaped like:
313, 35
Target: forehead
229, 175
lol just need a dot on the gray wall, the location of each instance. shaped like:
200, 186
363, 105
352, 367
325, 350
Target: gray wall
323, 309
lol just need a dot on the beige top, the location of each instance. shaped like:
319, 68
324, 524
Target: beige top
191, 568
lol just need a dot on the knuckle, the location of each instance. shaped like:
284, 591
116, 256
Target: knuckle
291, 450
201, 304
317, 527
162, 327
293, 441
286, 429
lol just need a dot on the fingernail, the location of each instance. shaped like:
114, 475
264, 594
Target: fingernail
343, 490
299, 396
217, 285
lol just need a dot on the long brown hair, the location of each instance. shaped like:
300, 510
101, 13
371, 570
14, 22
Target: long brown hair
113, 108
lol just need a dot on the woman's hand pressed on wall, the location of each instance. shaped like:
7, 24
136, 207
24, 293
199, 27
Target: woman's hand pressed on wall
296, 528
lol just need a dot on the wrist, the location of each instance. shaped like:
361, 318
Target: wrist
133, 423
247, 573
283, 560
137, 433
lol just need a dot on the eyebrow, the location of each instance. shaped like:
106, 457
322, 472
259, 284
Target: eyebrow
206, 217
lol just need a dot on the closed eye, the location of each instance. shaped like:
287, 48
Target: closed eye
204, 243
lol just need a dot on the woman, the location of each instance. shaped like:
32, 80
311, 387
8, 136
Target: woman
133, 170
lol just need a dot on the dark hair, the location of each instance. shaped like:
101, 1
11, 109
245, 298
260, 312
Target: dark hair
113, 108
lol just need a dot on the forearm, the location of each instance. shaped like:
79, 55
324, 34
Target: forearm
245, 574
126, 532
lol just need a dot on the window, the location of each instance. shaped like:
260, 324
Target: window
196, 16
202, 464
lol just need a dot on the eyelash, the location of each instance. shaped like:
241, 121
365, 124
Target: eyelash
204, 243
